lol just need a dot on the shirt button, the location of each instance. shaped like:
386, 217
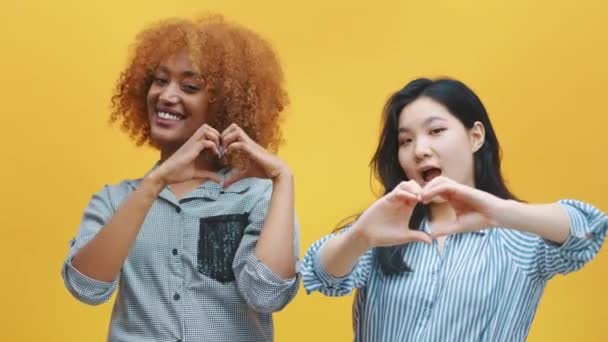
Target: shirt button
176, 296
174, 251
178, 209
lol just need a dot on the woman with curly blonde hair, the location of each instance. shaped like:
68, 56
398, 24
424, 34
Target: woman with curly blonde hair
204, 246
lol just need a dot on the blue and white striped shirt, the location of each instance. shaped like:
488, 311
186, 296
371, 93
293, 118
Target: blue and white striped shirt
486, 285
191, 274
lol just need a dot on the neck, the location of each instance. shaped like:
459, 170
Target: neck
441, 212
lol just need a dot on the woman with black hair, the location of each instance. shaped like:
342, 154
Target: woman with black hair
448, 253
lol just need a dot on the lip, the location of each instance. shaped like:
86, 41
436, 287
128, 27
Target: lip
170, 111
422, 169
427, 167
166, 122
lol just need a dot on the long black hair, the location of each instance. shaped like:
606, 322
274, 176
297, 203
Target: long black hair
463, 104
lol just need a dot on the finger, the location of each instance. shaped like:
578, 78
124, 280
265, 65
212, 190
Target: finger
230, 138
212, 136
193, 149
438, 180
443, 189
208, 175
405, 196
200, 132
411, 187
238, 146
235, 178
416, 236
212, 130
230, 129
208, 145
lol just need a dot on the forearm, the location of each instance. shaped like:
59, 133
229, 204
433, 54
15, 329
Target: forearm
275, 246
103, 257
340, 253
549, 221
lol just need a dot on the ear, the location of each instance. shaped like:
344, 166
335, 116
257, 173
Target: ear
477, 136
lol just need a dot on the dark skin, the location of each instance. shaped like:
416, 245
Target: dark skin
177, 103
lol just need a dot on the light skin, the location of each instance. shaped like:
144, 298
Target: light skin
431, 138
177, 103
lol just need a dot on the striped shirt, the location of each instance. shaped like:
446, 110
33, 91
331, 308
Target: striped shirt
486, 285
191, 274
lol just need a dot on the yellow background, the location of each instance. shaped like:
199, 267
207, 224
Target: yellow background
539, 66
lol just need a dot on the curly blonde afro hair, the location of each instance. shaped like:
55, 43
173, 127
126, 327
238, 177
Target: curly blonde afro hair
244, 78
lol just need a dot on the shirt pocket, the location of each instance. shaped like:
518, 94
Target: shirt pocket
218, 242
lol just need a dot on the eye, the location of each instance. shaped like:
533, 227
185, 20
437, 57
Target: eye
190, 88
405, 141
437, 131
159, 80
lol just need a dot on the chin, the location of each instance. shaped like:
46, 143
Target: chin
161, 140
158, 140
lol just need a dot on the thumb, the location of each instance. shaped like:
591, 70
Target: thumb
235, 178
207, 175
417, 236
445, 229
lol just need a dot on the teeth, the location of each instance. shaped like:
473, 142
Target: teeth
168, 116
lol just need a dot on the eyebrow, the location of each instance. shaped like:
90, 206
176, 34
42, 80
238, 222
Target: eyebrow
424, 123
187, 73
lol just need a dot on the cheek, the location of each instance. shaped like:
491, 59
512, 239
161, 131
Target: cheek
455, 146
198, 109
151, 97
458, 159
406, 163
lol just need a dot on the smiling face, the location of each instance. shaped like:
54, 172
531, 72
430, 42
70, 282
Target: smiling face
177, 102
433, 142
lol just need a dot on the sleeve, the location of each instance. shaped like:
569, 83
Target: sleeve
263, 290
87, 290
315, 277
543, 259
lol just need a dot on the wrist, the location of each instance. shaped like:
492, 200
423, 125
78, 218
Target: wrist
282, 176
154, 183
357, 239
505, 211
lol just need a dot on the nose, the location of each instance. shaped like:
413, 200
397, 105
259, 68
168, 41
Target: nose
422, 149
169, 94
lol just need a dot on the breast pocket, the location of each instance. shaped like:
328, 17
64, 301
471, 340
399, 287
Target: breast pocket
219, 239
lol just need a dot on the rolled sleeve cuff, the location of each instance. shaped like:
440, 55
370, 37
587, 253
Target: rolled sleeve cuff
317, 279
328, 280
265, 290
587, 228
87, 290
